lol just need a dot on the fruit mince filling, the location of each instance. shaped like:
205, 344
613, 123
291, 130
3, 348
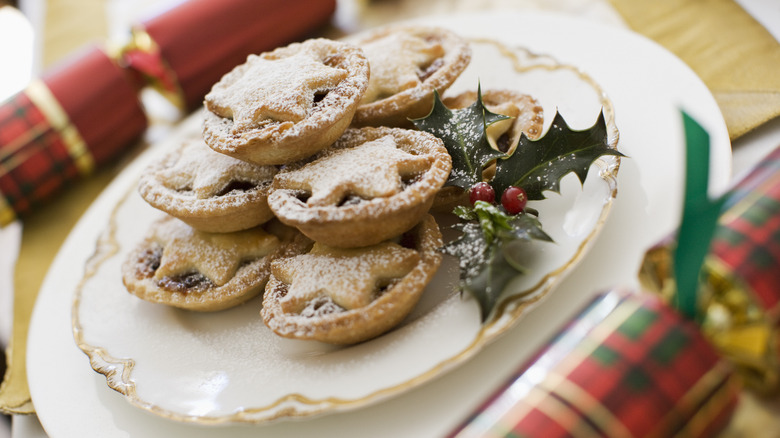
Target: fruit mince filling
424, 72
149, 261
187, 282
239, 186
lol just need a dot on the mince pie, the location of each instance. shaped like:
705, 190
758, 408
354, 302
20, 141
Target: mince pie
209, 191
285, 105
407, 64
348, 295
182, 267
371, 185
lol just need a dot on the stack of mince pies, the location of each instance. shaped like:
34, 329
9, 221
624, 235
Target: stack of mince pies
307, 186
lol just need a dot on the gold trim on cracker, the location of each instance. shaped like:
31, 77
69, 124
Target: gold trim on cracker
141, 41
77, 148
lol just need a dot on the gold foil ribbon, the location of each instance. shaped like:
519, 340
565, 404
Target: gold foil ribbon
739, 327
732, 320
164, 80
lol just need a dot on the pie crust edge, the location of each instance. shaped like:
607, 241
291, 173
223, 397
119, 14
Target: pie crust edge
357, 325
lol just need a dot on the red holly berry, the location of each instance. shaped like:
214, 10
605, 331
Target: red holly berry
482, 191
514, 199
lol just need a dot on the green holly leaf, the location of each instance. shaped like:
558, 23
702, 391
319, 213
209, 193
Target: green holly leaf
491, 243
488, 249
463, 132
539, 165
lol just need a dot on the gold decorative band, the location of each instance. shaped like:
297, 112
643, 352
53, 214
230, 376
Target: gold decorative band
740, 326
44, 100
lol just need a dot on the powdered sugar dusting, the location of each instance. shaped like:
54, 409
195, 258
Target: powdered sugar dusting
370, 170
280, 89
316, 109
398, 61
356, 221
350, 277
436, 56
215, 255
205, 173
343, 296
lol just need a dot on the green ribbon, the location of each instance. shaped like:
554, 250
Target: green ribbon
699, 219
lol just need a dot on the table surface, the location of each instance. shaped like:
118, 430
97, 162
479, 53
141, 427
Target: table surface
756, 417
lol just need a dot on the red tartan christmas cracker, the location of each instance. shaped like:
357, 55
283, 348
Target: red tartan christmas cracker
87, 112
187, 49
627, 366
77, 117
740, 287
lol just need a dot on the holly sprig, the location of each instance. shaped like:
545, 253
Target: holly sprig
490, 237
489, 249
464, 135
539, 165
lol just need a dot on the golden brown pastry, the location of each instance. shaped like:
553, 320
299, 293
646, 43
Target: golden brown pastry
181, 267
209, 191
407, 64
371, 185
344, 296
285, 105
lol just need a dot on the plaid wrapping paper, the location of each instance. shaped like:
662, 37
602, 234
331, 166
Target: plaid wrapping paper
742, 278
627, 366
747, 240
61, 127
35, 159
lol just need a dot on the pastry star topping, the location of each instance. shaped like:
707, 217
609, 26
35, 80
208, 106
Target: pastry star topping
371, 170
215, 255
279, 89
207, 173
350, 277
396, 60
